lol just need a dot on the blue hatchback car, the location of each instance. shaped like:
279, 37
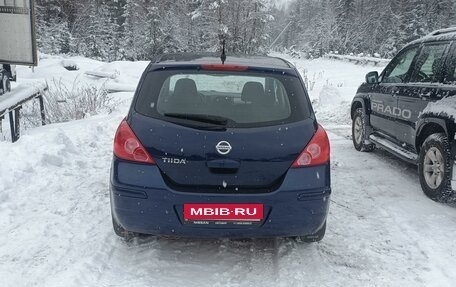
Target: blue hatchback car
221, 150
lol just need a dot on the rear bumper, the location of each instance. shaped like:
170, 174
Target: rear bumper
299, 207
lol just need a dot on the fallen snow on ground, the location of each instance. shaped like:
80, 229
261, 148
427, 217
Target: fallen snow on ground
332, 85
55, 215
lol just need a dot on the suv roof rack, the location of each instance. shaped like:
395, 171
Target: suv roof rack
442, 31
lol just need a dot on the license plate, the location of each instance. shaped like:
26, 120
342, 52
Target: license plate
223, 213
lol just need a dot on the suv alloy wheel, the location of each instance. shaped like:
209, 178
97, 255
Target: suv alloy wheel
359, 134
435, 167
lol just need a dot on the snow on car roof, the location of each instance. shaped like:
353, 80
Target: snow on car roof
211, 58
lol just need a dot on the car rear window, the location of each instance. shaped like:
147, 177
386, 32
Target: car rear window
245, 99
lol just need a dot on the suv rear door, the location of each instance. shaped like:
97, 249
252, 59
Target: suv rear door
384, 105
449, 71
424, 86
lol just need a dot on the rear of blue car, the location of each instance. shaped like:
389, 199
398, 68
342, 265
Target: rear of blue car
210, 150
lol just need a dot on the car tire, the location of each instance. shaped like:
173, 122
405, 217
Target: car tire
359, 132
315, 237
122, 232
435, 167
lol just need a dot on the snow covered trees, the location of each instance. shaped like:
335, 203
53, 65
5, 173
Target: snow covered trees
141, 29
362, 26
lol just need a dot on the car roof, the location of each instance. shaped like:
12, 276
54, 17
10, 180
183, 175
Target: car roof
253, 61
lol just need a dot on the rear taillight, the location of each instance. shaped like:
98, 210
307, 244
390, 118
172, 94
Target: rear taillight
128, 147
316, 152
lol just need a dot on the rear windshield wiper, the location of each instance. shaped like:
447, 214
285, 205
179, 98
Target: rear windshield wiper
210, 119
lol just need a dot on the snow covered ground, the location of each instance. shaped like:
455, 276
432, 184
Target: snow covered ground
54, 210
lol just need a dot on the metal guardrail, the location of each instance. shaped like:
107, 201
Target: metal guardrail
14, 114
359, 60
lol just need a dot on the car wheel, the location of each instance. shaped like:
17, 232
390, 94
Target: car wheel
435, 167
317, 236
359, 134
121, 232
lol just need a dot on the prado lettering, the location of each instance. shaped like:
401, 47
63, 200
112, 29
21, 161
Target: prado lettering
393, 111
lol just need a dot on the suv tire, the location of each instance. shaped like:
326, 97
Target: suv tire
435, 168
359, 134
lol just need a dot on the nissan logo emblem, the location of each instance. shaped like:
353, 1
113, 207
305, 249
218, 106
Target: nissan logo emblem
223, 147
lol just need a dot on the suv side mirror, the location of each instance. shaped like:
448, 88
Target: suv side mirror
372, 78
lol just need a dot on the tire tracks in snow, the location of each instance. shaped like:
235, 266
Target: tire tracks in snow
257, 262
384, 205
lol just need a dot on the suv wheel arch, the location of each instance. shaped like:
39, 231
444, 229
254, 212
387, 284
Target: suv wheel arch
431, 126
358, 103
